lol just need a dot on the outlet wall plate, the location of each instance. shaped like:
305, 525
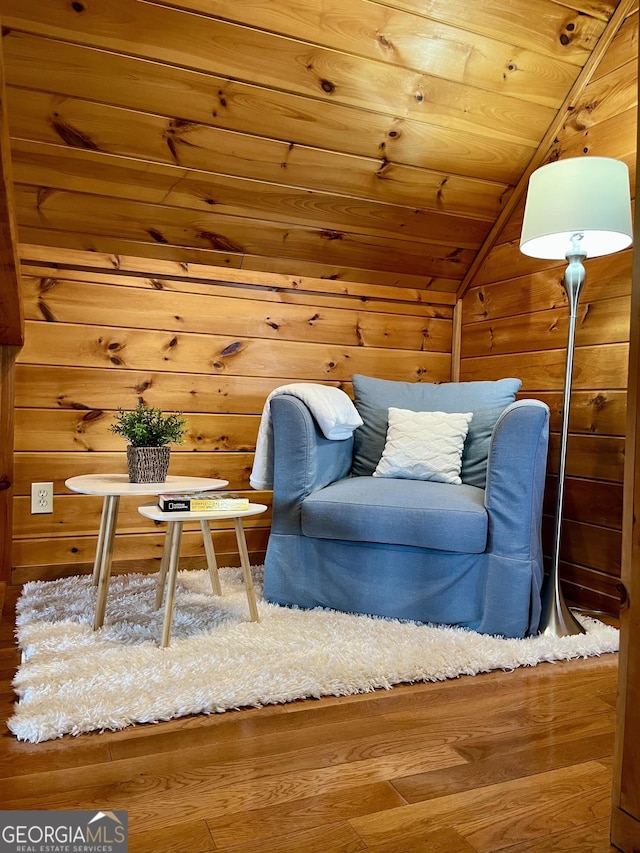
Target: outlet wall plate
41, 498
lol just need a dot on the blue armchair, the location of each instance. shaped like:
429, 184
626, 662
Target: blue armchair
467, 555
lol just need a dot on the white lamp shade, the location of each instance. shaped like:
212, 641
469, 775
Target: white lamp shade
586, 195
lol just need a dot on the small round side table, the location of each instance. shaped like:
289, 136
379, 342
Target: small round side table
112, 487
171, 554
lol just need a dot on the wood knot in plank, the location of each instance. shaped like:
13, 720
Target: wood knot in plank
71, 135
598, 402
440, 193
568, 33
46, 312
232, 349
173, 134
180, 124
384, 168
290, 148
219, 242
42, 195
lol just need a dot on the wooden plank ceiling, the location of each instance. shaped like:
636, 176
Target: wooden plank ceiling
353, 139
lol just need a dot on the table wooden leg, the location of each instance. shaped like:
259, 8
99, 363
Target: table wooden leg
97, 563
174, 531
110, 514
209, 550
246, 570
164, 565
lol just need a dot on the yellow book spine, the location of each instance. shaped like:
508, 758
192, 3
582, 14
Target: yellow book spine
205, 505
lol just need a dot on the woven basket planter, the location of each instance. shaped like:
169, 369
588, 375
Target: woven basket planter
148, 464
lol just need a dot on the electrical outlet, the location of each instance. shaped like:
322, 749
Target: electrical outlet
41, 498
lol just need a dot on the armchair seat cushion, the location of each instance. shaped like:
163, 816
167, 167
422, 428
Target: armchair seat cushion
422, 514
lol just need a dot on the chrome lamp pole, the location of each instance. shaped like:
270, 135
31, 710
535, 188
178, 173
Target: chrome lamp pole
575, 208
556, 618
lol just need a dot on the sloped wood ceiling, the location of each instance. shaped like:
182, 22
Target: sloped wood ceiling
351, 139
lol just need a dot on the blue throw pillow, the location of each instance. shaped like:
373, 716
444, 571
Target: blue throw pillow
487, 400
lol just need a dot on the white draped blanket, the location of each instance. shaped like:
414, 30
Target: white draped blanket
336, 415
75, 680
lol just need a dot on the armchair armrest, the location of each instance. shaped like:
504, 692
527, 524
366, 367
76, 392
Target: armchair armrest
515, 479
303, 460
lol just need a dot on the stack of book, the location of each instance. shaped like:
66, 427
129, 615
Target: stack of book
203, 502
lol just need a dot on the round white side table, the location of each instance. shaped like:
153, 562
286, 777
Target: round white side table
111, 487
171, 554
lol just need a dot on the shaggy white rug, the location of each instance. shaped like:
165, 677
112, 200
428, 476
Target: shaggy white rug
75, 680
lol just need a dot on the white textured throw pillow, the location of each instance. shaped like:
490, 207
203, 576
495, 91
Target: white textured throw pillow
424, 446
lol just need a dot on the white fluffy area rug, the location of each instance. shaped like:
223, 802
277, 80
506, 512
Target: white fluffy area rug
75, 680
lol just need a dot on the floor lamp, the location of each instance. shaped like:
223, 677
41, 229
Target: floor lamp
575, 208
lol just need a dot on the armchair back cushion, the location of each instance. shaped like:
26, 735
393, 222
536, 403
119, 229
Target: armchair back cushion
485, 399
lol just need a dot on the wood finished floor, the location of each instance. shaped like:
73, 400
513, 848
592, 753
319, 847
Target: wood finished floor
519, 762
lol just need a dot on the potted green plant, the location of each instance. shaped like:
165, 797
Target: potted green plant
149, 432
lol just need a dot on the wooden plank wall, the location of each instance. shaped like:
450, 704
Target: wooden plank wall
11, 332
103, 332
515, 322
